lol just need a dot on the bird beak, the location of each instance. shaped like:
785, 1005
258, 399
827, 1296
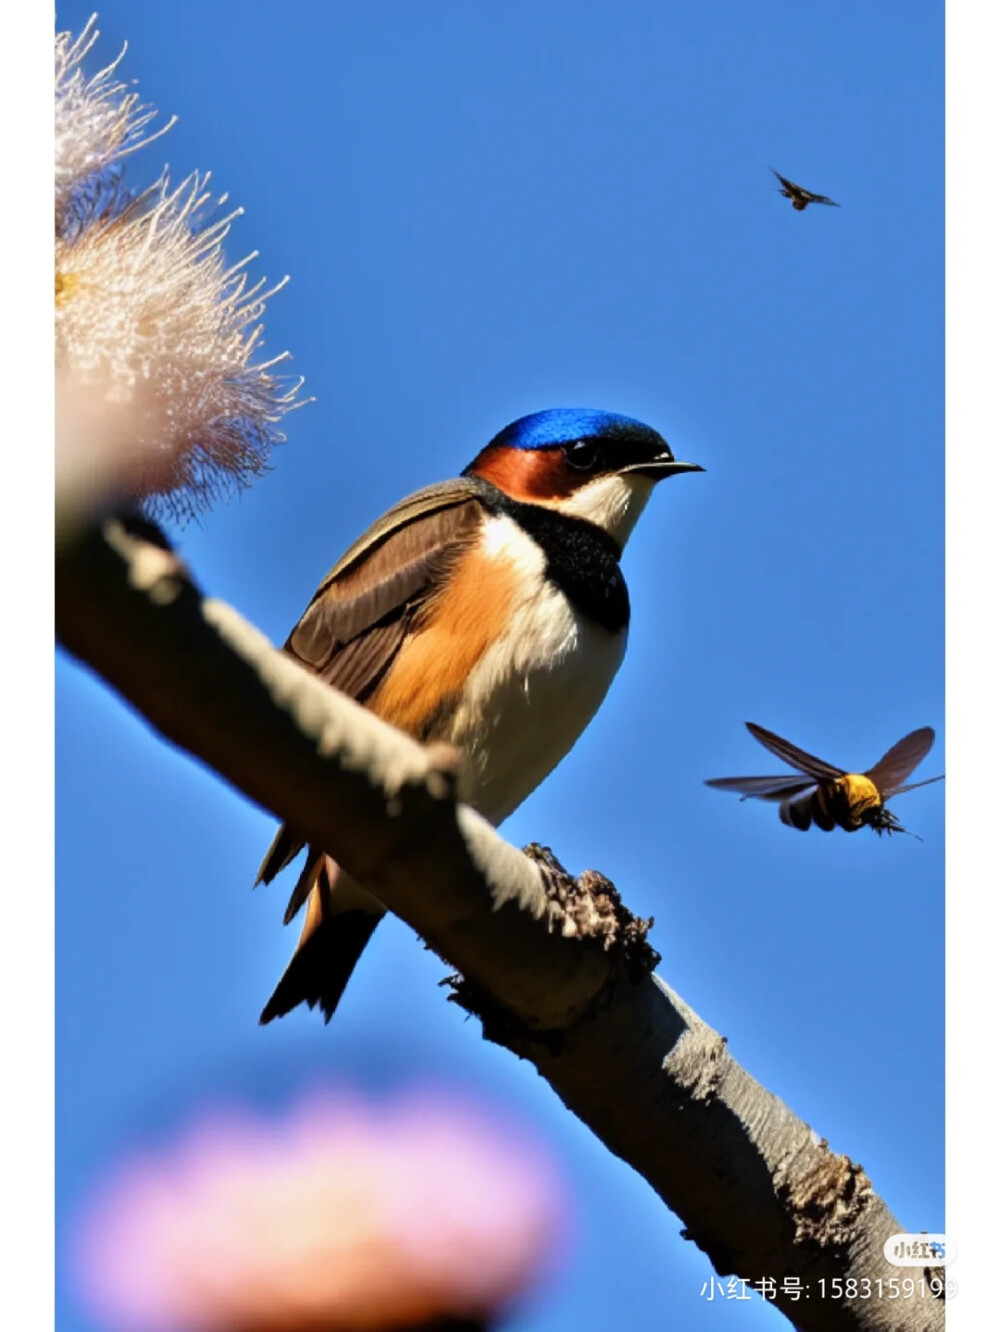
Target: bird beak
659, 468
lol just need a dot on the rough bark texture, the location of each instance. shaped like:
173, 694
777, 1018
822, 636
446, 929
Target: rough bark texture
556, 967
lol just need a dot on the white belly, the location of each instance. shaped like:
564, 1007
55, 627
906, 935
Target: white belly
533, 692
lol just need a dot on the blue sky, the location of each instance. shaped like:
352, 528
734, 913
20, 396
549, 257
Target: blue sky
486, 211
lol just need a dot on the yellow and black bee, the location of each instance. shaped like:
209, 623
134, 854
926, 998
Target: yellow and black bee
819, 793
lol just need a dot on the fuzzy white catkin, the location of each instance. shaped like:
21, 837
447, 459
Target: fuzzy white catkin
158, 397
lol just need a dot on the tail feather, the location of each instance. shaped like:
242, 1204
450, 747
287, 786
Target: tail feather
304, 886
321, 967
282, 851
331, 942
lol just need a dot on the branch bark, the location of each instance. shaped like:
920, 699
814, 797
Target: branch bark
556, 967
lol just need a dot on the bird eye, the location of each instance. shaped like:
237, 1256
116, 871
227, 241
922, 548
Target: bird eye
583, 454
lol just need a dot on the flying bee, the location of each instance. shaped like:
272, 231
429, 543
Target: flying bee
819, 793
801, 197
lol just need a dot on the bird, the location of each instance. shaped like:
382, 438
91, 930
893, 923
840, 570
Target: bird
801, 198
830, 797
488, 612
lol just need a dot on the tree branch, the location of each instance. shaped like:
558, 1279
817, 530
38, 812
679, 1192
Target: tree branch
556, 967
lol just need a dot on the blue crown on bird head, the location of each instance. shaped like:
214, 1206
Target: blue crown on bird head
560, 425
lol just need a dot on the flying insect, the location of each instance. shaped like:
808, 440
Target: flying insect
801, 197
819, 793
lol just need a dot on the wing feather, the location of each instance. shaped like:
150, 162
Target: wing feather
363, 610
822, 199
361, 613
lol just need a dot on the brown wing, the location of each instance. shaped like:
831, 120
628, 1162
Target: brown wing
361, 613
915, 786
788, 184
791, 754
893, 768
762, 788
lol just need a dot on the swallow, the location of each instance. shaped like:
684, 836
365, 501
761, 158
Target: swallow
817, 792
488, 612
801, 198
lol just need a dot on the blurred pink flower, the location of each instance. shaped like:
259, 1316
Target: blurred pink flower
343, 1216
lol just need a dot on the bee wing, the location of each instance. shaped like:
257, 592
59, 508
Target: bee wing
788, 184
762, 788
821, 198
797, 758
912, 786
896, 764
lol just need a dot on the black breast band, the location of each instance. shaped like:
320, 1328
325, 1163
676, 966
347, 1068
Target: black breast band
580, 558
